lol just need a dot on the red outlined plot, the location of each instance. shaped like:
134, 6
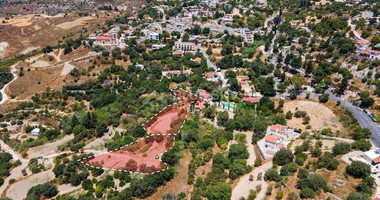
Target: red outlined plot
143, 155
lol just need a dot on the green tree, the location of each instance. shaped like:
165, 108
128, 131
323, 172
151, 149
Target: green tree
89, 120
222, 117
283, 157
272, 175
45, 189
289, 115
221, 191
341, 148
358, 196
238, 151
209, 50
358, 169
324, 97
327, 161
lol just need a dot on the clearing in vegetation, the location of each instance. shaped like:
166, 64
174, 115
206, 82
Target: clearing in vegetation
320, 116
142, 155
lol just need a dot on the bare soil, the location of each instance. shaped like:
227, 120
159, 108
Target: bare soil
179, 183
320, 116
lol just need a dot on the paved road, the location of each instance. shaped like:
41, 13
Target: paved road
362, 118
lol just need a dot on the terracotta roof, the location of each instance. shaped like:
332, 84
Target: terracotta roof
199, 105
103, 37
278, 136
243, 82
281, 145
376, 160
178, 53
251, 99
245, 77
197, 59
176, 72
271, 139
276, 127
210, 74
204, 94
310, 80
362, 41
364, 52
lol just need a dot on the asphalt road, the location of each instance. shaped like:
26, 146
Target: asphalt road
362, 118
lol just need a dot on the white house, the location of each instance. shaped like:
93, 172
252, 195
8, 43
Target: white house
154, 36
205, 95
372, 156
274, 143
158, 46
35, 132
277, 137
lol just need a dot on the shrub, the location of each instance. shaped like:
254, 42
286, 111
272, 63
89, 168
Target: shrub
272, 175
358, 169
341, 148
288, 169
358, 196
258, 162
327, 161
307, 193
283, 157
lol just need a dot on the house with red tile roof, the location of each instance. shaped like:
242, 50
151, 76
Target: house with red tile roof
278, 130
368, 54
251, 99
204, 95
198, 60
180, 53
277, 137
199, 105
242, 78
105, 39
273, 143
372, 156
210, 75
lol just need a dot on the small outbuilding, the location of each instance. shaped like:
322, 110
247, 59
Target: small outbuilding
35, 132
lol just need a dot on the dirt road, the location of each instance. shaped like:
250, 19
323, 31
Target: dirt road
6, 148
19, 189
252, 156
244, 186
15, 174
48, 148
2, 91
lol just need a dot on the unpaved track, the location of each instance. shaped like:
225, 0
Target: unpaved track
48, 148
20, 189
244, 186
252, 156
15, 174
2, 91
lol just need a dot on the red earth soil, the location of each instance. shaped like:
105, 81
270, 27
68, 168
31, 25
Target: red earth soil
142, 155
169, 120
